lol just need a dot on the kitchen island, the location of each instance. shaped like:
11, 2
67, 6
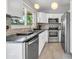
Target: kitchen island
26, 46
22, 37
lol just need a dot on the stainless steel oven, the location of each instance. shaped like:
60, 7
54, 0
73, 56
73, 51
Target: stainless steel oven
53, 20
53, 30
53, 33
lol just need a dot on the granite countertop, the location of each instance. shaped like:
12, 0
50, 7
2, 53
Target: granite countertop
22, 38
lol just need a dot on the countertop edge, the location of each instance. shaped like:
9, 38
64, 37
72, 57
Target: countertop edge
29, 38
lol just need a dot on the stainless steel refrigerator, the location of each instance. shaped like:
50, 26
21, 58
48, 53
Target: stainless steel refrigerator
65, 32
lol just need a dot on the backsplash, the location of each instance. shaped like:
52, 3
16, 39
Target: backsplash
43, 26
14, 31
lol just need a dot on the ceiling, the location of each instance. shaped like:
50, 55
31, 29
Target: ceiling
45, 5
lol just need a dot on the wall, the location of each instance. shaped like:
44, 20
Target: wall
59, 17
8, 21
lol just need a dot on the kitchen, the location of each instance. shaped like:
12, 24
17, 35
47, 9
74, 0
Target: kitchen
34, 26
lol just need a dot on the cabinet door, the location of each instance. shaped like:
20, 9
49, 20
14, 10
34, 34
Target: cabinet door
41, 44
15, 7
14, 51
45, 18
46, 36
43, 38
42, 18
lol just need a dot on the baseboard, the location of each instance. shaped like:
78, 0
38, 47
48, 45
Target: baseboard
54, 42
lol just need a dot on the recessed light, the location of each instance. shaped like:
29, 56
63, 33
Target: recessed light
36, 6
54, 5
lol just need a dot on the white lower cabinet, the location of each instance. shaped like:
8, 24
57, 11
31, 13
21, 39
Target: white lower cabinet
43, 38
15, 51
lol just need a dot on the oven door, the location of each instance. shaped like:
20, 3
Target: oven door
53, 33
53, 36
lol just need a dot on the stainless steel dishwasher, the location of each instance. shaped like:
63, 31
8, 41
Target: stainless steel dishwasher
31, 48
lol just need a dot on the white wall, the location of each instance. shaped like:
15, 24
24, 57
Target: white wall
59, 17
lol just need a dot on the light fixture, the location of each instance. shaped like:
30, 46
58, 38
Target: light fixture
54, 5
36, 6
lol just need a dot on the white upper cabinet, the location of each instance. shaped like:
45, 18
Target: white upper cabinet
42, 17
15, 7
